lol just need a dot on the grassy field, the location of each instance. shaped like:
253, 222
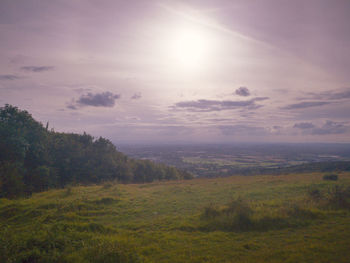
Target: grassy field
288, 218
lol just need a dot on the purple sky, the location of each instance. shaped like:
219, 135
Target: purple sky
181, 71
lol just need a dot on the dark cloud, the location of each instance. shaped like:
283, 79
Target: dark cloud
9, 77
242, 91
136, 96
304, 125
37, 68
104, 99
217, 105
305, 104
331, 127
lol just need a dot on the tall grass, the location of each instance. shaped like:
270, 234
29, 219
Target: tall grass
300, 218
61, 243
236, 216
333, 197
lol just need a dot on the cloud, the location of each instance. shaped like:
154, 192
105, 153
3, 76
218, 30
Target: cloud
9, 77
104, 99
242, 130
217, 105
305, 104
72, 106
171, 130
242, 91
82, 90
338, 95
136, 96
331, 127
304, 125
37, 69
329, 95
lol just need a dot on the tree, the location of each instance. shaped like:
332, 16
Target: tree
34, 159
11, 180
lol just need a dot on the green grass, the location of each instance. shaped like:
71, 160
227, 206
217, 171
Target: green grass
287, 218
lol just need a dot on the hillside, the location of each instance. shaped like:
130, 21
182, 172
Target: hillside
289, 218
34, 158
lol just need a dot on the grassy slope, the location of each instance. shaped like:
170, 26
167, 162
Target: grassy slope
162, 221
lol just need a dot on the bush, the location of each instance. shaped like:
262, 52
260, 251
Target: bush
330, 177
314, 194
335, 197
69, 190
338, 197
210, 212
107, 185
236, 216
240, 216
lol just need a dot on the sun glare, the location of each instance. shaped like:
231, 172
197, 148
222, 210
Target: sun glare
188, 48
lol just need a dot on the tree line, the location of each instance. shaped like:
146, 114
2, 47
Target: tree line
34, 158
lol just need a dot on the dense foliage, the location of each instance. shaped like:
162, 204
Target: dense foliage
34, 159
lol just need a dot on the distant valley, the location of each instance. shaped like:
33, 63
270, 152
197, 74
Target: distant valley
214, 160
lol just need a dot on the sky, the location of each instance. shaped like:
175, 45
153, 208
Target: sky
191, 71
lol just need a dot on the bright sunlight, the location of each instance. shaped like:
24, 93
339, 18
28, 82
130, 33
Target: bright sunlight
189, 48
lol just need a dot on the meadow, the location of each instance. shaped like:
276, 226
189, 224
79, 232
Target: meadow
285, 218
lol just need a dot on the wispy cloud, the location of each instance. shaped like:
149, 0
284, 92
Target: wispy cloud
329, 95
331, 127
37, 68
9, 77
72, 106
136, 96
242, 130
305, 104
242, 91
304, 125
217, 105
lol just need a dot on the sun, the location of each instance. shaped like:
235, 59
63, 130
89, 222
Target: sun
188, 48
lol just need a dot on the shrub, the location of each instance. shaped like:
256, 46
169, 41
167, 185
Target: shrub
107, 185
236, 216
330, 177
238, 207
69, 191
338, 197
314, 194
210, 212
105, 201
298, 212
